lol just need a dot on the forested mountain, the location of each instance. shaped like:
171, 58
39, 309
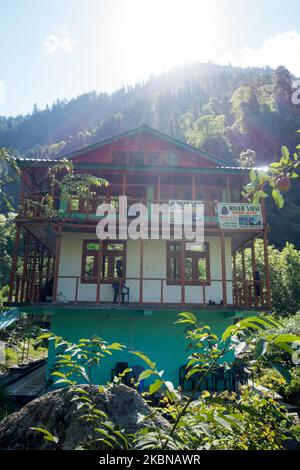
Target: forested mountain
222, 109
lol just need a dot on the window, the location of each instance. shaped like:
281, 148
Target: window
74, 204
196, 264
136, 158
113, 253
119, 157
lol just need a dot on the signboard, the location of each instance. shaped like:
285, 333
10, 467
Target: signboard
240, 215
183, 211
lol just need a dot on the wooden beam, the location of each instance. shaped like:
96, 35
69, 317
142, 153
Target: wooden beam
141, 270
124, 182
14, 263
234, 278
223, 259
158, 189
57, 260
99, 271
25, 266
182, 271
244, 275
253, 273
193, 187
33, 274
228, 188
267, 269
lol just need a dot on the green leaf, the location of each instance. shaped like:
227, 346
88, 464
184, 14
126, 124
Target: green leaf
285, 151
144, 358
47, 435
116, 346
277, 198
260, 348
155, 386
146, 373
283, 371
187, 317
286, 338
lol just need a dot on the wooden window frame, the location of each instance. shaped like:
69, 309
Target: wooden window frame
187, 254
111, 254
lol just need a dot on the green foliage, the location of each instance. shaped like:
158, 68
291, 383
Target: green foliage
227, 421
284, 273
247, 422
7, 237
261, 180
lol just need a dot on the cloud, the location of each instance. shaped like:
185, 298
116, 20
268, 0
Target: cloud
58, 42
278, 49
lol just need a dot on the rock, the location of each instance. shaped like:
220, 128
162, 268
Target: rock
56, 412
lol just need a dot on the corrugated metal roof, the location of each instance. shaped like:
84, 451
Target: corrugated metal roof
23, 159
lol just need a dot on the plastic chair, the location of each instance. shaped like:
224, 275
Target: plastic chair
119, 369
125, 293
220, 375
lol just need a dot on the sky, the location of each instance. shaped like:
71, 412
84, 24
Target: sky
57, 49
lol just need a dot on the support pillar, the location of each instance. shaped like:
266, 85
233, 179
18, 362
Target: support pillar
56, 268
223, 259
14, 263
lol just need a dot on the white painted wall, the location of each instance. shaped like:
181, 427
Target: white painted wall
154, 267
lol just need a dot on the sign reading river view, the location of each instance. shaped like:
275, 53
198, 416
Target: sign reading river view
240, 216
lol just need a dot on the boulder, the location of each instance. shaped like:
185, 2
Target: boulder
58, 413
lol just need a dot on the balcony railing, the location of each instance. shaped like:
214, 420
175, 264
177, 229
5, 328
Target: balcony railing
40, 208
144, 291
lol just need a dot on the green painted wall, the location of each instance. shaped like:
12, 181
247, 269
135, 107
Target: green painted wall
152, 333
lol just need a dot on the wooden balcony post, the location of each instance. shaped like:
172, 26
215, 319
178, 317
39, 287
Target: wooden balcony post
124, 181
228, 189
253, 273
244, 275
158, 189
25, 266
141, 270
57, 260
33, 273
182, 271
193, 188
99, 271
14, 263
234, 279
267, 269
223, 259
48, 265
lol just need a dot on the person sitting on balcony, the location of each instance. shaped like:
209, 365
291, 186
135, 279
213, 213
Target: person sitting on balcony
257, 284
46, 291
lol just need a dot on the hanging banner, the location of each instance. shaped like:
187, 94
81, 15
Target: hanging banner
240, 216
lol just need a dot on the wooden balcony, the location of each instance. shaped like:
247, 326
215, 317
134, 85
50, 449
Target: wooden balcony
145, 292
37, 208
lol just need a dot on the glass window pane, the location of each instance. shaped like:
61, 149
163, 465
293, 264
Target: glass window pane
74, 204
118, 266
188, 268
92, 246
89, 266
175, 247
202, 268
174, 268
115, 246
197, 248
104, 266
